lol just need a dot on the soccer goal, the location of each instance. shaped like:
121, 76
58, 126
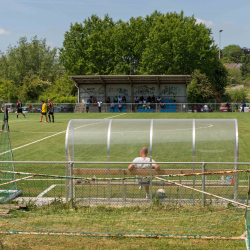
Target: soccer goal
8, 188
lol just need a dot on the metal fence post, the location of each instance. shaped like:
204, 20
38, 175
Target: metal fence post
123, 189
180, 190
203, 184
71, 183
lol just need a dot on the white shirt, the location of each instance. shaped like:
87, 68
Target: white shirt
119, 99
145, 162
99, 104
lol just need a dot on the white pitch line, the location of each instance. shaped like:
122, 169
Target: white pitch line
51, 136
46, 191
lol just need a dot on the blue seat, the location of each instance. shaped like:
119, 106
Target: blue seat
170, 106
115, 111
166, 110
147, 110
143, 111
151, 110
166, 106
124, 107
162, 110
170, 100
140, 107
123, 110
139, 110
170, 110
166, 101
111, 110
174, 110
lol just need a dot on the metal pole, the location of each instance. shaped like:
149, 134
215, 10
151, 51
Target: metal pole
71, 184
236, 159
193, 155
108, 157
151, 145
203, 184
219, 42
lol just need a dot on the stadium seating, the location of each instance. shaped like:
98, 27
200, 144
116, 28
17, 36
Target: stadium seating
111, 110
123, 110
162, 110
147, 110
140, 107
143, 111
139, 110
170, 100
151, 110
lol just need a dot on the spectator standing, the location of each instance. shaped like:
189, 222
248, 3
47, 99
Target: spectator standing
159, 99
119, 99
99, 103
136, 99
90, 99
19, 109
94, 100
243, 105
124, 99
236, 106
120, 107
153, 99
195, 108
87, 106
149, 99
115, 99
174, 98
113, 105
108, 100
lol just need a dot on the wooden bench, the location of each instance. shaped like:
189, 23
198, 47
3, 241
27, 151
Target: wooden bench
143, 172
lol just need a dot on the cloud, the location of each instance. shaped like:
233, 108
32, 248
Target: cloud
227, 22
4, 32
207, 23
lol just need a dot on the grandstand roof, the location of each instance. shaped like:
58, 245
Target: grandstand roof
131, 79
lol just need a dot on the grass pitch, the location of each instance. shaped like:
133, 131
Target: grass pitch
44, 145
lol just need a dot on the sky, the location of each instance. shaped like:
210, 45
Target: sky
50, 19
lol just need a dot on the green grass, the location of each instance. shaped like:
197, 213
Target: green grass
24, 131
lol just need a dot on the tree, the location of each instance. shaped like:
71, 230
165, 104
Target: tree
238, 94
245, 68
232, 54
28, 59
158, 44
88, 48
201, 89
8, 91
177, 45
33, 86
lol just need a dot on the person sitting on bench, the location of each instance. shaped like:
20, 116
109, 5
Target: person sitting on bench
144, 163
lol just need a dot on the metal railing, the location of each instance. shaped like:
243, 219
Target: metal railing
173, 107
218, 183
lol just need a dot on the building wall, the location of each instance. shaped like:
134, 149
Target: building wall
112, 90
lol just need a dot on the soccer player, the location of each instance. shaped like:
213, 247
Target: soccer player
6, 117
44, 112
144, 163
19, 108
51, 110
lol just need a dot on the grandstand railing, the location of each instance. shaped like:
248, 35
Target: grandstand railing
164, 107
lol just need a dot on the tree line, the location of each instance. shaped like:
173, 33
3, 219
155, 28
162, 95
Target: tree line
160, 44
